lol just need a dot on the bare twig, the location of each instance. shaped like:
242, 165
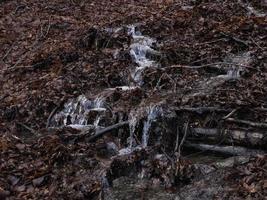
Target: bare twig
52, 115
230, 114
177, 170
8, 51
183, 139
201, 110
157, 85
43, 35
235, 39
34, 132
177, 139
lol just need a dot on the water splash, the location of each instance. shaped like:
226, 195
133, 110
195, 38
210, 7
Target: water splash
139, 50
75, 112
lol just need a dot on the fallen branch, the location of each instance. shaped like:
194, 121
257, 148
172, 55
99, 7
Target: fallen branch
101, 132
228, 150
235, 39
209, 65
249, 123
201, 110
247, 138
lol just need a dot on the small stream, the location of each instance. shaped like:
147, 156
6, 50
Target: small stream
81, 112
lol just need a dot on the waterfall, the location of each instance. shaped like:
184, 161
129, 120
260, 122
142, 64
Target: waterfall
76, 112
139, 50
152, 113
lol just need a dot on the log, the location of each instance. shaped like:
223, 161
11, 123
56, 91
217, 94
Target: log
248, 123
101, 132
227, 150
247, 138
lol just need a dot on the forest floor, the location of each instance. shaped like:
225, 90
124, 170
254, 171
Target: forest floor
199, 90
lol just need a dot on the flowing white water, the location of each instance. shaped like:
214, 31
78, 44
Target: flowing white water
133, 121
139, 50
152, 113
75, 112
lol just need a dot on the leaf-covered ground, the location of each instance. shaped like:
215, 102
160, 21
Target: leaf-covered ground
54, 51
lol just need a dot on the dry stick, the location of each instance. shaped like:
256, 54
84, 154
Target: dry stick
179, 149
229, 150
101, 132
202, 110
249, 123
177, 139
183, 139
203, 151
157, 85
213, 41
52, 115
256, 44
235, 39
208, 65
34, 132
43, 36
230, 114
9, 50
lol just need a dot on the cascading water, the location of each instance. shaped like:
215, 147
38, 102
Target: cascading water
133, 121
139, 50
75, 112
152, 113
